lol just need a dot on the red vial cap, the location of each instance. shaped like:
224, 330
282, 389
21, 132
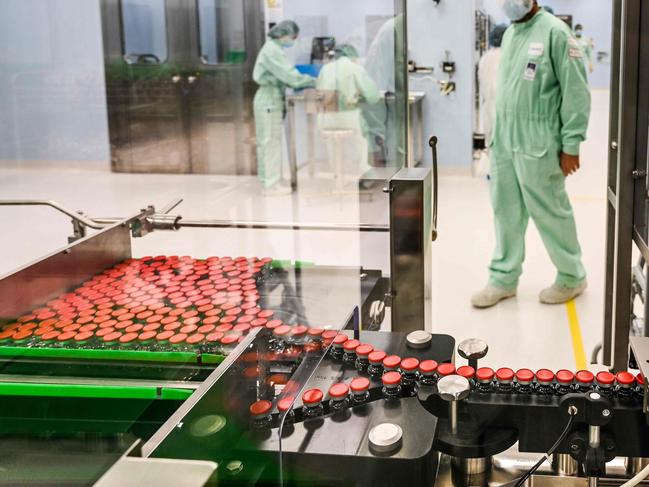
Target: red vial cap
242, 328
391, 362
505, 375
351, 345
428, 367
364, 350
376, 357
409, 364
134, 328
49, 336
360, 385
340, 339
111, 337
525, 376
299, 331
83, 336
625, 379
339, 391
272, 324
146, 336
104, 331
485, 374
214, 337
446, 369
24, 334
258, 323
391, 378
261, 408
605, 378
266, 313
565, 377
585, 377
545, 376
229, 339
187, 329
315, 332
329, 334
285, 404
640, 378
164, 336
466, 371
282, 331
312, 397
128, 338
195, 339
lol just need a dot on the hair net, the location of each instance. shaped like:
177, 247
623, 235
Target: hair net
496, 35
284, 28
346, 50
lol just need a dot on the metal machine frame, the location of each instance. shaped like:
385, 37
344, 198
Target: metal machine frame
627, 180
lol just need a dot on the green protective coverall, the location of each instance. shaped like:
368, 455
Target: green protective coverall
353, 88
543, 109
273, 73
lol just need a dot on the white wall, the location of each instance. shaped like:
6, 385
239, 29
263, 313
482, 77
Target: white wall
52, 100
432, 30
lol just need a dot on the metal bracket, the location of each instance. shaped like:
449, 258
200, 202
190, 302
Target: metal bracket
433, 145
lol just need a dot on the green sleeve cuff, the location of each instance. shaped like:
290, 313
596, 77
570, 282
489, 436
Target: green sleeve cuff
571, 148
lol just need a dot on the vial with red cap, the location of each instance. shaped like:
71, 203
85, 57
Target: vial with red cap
391, 385
409, 369
626, 385
391, 363
312, 401
285, 407
349, 352
640, 389
524, 381
363, 352
339, 397
605, 383
468, 373
428, 373
260, 415
545, 385
298, 336
375, 359
565, 382
337, 352
584, 381
360, 387
505, 380
485, 380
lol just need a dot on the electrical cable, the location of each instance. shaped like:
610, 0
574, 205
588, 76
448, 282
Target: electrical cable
638, 478
554, 448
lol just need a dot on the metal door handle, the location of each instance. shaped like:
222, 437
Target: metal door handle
191, 79
433, 145
175, 79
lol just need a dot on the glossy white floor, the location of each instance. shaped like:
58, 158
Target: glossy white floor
520, 332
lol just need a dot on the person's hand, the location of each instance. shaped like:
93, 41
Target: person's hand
569, 164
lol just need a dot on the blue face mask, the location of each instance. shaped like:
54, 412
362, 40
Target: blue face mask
579, 33
517, 9
288, 44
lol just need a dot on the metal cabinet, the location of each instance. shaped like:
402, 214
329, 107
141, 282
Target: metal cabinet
179, 84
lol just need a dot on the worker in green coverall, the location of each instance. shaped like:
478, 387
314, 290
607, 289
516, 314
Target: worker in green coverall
542, 117
587, 45
274, 73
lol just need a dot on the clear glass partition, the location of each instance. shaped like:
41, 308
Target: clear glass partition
279, 143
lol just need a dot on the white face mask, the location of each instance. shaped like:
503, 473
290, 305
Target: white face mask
516, 9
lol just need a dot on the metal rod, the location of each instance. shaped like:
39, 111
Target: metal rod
454, 415
255, 225
593, 482
171, 205
594, 436
53, 204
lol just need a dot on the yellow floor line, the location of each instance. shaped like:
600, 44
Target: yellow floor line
577, 340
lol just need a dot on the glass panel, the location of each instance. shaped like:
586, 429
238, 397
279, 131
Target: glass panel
222, 31
145, 36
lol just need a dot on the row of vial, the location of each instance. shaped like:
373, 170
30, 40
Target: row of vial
544, 382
